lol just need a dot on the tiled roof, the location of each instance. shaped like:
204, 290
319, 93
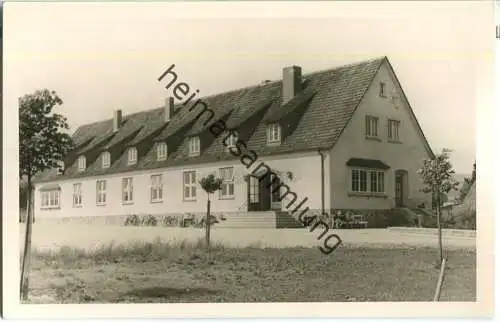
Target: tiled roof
329, 99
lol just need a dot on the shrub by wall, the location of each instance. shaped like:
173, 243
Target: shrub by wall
149, 220
132, 220
135, 220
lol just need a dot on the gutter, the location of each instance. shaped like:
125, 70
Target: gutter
322, 160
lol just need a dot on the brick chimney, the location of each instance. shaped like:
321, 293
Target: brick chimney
117, 120
292, 82
169, 109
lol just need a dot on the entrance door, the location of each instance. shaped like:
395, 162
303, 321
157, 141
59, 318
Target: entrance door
275, 192
399, 189
259, 198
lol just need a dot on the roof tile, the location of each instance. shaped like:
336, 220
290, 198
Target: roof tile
332, 97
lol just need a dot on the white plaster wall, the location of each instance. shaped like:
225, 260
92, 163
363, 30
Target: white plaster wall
306, 183
353, 144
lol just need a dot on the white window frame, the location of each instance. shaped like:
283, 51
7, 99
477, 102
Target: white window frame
227, 183
194, 146
161, 151
101, 192
379, 175
231, 141
127, 190
189, 183
274, 133
77, 195
50, 199
393, 130
371, 126
106, 159
156, 191
82, 163
132, 155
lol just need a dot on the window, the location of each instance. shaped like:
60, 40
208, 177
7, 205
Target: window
393, 130
253, 189
156, 188
50, 199
132, 156
274, 133
371, 126
382, 89
81, 163
106, 159
161, 151
227, 175
364, 180
190, 185
359, 181
377, 181
128, 196
194, 145
101, 192
231, 141
77, 195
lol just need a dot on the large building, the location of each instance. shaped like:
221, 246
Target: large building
344, 138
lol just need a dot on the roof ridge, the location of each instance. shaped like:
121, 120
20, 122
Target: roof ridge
272, 82
380, 58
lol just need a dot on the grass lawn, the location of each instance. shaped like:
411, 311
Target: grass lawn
153, 272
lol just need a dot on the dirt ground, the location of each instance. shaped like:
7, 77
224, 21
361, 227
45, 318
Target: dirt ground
153, 273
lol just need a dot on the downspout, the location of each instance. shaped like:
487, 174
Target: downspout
322, 157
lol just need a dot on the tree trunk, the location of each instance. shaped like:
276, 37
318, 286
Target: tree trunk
24, 284
440, 238
207, 227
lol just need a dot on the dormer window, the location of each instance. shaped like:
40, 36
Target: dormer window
274, 133
231, 141
82, 163
60, 167
132, 156
194, 146
161, 151
106, 159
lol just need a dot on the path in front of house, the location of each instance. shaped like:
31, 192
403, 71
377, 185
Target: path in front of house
50, 236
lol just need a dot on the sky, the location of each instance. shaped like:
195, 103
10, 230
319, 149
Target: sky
104, 56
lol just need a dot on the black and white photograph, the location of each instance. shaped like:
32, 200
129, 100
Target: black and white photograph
249, 159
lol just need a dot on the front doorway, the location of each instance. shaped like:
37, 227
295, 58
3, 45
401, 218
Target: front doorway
259, 198
264, 194
400, 188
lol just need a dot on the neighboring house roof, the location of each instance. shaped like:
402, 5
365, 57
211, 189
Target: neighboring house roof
327, 103
469, 202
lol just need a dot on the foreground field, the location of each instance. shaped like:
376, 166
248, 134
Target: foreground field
150, 272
